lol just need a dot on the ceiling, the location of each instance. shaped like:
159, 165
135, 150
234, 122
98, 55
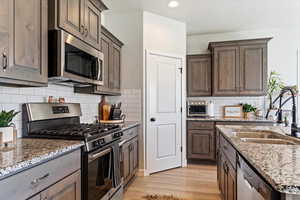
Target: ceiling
213, 16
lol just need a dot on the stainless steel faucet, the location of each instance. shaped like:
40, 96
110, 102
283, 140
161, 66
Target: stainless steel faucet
294, 127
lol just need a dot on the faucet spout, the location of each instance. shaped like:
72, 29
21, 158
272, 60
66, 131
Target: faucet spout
294, 127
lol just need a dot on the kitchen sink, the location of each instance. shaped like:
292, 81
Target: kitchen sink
269, 141
257, 134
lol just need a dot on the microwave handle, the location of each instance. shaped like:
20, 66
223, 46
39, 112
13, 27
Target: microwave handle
99, 69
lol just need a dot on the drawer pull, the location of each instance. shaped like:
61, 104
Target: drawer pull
37, 181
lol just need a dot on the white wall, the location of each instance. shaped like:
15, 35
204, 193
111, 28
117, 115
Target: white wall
128, 26
139, 31
166, 36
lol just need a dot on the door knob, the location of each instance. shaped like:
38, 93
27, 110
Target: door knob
152, 119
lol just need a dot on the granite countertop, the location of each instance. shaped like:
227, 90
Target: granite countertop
130, 124
222, 119
28, 153
278, 164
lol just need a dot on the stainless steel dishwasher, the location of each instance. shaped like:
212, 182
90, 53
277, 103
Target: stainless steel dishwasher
249, 185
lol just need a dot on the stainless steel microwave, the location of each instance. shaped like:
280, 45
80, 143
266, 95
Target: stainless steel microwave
74, 62
197, 109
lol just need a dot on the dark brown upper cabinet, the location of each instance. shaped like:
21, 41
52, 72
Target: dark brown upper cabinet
23, 42
199, 75
111, 47
81, 18
239, 67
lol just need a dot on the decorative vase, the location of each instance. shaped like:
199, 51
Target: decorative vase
247, 115
6, 134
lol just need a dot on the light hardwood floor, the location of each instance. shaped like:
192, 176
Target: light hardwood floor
196, 182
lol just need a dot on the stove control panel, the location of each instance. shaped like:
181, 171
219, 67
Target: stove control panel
117, 135
60, 109
99, 143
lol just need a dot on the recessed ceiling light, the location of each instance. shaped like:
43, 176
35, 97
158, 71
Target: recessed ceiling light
173, 4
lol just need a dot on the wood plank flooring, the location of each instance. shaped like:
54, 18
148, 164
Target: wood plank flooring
196, 182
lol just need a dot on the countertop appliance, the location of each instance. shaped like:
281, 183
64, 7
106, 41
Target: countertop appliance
101, 177
73, 62
200, 109
249, 185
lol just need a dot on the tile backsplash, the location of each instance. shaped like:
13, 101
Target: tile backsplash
13, 98
131, 103
219, 102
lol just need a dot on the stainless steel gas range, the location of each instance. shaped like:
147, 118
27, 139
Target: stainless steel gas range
101, 179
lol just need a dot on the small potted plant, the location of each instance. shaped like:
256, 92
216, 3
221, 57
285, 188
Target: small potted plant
248, 109
275, 84
6, 125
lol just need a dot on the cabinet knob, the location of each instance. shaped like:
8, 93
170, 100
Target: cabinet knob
4, 61
82, 29
86, 31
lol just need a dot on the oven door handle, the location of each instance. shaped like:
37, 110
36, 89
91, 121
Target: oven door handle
100, 154
122, 143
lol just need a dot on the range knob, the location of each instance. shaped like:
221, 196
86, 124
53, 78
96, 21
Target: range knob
117, 135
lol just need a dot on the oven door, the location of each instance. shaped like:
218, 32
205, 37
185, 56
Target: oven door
100, 174
74, 60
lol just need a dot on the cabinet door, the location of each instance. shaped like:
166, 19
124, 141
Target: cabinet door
201, 144
253, 69
5, 19
199, 75
222, 176
231, 183
28, 51
226, 71
67, 189
135, 155
106, 49
115, 69
71, 16
126, 165
92, 29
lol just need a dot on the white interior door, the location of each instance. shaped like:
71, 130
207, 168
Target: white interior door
163, 112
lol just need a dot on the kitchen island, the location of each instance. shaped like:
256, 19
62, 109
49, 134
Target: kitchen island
270, 153
40, 169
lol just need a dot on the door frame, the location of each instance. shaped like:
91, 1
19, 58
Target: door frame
146, 116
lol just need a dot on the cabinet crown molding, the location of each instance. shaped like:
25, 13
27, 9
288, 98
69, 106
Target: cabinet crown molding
239, 42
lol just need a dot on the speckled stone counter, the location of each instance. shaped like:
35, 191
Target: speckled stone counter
28, 153
129, 124
222, 119
278, 164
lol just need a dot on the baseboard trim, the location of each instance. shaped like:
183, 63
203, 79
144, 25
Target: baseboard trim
143, 172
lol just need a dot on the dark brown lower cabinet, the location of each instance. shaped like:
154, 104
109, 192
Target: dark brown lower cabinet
226, 172
129, 163
201, 144
230, 182
201, 141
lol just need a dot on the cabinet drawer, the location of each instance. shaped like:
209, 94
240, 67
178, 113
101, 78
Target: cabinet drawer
201, 125
130, 133
228, 150
32, 181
